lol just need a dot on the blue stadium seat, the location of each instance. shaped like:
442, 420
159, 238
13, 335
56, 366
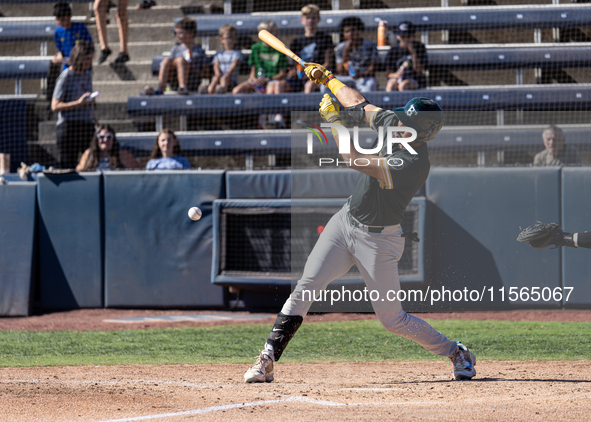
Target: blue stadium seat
431, 19
18, 68
483, 57
526, 97
257, 142
24, 67
508, 57
18, 30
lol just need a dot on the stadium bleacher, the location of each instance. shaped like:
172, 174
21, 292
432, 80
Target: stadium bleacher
432, 19
149, 113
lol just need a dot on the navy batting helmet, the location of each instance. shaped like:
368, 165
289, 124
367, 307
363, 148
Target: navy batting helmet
422, 114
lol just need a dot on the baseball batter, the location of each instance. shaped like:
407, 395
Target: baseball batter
366, 231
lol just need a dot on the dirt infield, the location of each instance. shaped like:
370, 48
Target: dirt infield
302, 392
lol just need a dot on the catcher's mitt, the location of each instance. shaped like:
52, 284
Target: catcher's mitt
541, 235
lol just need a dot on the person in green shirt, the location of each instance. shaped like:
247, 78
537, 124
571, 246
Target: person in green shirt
268, 67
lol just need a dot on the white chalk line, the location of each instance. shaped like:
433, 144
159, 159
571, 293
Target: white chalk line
261, 403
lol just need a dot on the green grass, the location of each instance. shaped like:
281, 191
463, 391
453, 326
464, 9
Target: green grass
334, 342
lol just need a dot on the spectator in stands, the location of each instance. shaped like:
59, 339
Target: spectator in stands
100, 14
225, 63
556, 152
268, 67
406, 61
167, 154
75, 123
105, 153
356, 57
186, 64
67, 34
314, 46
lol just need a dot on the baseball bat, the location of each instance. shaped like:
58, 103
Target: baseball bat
274, 42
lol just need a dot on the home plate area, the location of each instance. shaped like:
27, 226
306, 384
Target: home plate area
343, 391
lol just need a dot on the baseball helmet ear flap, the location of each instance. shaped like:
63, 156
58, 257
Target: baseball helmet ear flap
422, 114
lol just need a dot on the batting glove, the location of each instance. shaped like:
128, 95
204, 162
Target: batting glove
326, 74
329, 109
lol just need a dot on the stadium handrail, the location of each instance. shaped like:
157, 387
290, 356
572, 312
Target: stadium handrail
425, 19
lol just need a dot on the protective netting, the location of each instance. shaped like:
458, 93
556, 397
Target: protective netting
503, 71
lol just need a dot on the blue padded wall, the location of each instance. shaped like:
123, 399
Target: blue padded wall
155, 256
576, 217
17, 248
70, 246
476, 219
258, 184
333, 183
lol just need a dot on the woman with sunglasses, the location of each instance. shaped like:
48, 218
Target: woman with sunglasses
74, 105
105, 153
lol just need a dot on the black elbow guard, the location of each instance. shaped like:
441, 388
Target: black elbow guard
356, 112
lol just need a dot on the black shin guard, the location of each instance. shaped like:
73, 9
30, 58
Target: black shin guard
283, 330
584, 240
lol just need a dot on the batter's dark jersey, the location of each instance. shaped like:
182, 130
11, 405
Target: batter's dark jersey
376, 203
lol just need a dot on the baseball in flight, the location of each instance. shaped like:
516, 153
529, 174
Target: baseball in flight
195, 213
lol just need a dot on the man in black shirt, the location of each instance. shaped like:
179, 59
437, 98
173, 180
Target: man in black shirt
366, 231
406, 61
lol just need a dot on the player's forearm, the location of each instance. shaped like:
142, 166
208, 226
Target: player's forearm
349, 97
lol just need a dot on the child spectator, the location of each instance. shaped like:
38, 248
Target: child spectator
100, 13
67, 34
75, 120
314, 46
187, 62
225, 63
356, 57
104, 153
406, 61
167, 154
268, 67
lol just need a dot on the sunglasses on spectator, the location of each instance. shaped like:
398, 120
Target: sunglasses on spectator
107, 137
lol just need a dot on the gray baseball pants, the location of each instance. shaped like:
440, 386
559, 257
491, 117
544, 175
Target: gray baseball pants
376, 255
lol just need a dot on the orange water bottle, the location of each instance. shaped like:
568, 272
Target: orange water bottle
382, 34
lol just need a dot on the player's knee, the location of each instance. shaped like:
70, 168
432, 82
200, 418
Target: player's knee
395, 322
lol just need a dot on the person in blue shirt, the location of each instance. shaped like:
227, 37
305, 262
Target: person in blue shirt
167, 154
67, 34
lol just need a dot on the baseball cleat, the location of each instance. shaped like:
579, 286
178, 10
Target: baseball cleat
463, 361
262, 371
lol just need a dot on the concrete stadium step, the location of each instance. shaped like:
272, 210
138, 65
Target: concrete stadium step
130, 71
156, 14
41, 9
187, 2
26, 48
137, 32
144, 51
118, 91
47, 130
